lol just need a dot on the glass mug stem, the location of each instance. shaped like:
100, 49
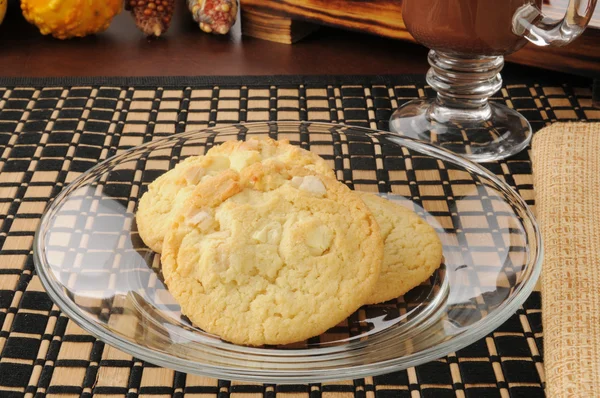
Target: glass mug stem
463, 85
461, 118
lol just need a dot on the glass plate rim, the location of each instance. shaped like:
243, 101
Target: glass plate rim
495, 319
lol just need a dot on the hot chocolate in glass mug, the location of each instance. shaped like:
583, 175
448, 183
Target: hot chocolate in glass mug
468, 39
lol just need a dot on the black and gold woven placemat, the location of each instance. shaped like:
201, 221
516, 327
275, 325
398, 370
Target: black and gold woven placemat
53, 130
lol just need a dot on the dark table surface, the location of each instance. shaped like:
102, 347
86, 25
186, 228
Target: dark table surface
186, 51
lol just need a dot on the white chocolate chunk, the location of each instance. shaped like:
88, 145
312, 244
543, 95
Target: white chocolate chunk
218, 163
319, 240
296, 181
244, 159
310, 184
270, 233
193, 175
201, 219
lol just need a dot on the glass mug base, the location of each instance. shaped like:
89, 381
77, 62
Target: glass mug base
503, 133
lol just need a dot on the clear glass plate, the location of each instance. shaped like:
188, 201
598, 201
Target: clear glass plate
93, 264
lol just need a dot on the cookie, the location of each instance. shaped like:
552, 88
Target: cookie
244, 153
412, 250
166, 193
170, 190
271, 255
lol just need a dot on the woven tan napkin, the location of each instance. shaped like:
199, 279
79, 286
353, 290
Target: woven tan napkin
566, 168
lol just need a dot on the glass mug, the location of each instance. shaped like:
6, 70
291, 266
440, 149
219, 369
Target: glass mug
468, 39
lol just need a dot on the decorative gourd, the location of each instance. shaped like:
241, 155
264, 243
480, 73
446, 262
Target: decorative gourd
3, 5
64, 19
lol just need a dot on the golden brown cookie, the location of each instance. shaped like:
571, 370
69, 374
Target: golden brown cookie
412, 250
245, 153
157, 205
271, 255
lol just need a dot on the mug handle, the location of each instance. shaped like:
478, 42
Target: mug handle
530, 22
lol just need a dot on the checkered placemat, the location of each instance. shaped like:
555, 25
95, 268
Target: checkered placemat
51, 131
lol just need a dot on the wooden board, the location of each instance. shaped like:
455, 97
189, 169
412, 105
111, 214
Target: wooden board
286, 21
275, 28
